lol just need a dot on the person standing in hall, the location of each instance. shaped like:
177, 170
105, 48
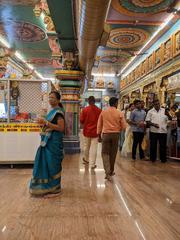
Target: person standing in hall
89, 118
47, 168
127, 145
157, 120
111, 122
137, 119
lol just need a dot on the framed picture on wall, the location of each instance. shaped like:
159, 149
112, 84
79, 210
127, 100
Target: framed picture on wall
128, 82
150, 63
140, 70
157, 57
133, 75
167, 50
136, 73
176, 43
144, 67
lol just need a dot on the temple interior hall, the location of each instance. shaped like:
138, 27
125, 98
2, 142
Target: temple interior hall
89, 119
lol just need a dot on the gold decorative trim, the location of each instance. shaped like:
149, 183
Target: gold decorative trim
36, 180
44, 191
70, 72
146, 80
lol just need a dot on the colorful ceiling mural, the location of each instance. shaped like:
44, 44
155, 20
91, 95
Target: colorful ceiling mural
132, 24
37, 31
26, 34
22, 31
141, 7
126, 38
44, 32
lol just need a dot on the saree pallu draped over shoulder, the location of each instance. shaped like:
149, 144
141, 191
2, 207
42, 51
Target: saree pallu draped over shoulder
47, 165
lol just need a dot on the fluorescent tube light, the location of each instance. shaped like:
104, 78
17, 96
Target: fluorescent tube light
4, 42
103, 74
96, 89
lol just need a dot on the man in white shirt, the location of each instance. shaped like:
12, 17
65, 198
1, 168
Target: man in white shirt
157, 120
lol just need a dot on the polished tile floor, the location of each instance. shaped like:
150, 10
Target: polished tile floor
142, 202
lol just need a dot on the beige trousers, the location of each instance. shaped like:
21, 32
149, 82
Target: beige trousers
90, 149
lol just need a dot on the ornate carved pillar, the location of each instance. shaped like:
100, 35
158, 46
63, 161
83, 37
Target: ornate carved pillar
70, 84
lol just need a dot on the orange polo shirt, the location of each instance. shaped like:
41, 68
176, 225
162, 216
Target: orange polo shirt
111, 120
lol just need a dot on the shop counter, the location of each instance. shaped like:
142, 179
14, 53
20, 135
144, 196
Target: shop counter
18, 142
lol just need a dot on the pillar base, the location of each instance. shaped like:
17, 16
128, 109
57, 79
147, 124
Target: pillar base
72, 145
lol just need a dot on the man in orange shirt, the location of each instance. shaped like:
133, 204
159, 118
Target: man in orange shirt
111, 122
89, 117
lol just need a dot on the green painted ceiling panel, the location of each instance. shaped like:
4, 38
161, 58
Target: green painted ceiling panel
27, 34
62, 16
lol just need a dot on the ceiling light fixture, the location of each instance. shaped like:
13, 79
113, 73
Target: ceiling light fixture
103, 74
4, 42
163, 25
96, 89
30, 66
52, 79
38, 74
107, 12
19, 56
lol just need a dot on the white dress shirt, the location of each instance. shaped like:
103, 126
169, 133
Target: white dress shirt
157, 117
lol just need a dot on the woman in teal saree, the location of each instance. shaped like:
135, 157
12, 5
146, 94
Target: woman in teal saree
47, 166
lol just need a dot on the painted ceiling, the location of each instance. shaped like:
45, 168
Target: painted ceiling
25, 33
132, 24
27, 30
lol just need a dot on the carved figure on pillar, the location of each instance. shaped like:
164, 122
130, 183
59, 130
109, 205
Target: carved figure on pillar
3, 61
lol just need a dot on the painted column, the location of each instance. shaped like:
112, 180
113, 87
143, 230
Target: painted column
70, 84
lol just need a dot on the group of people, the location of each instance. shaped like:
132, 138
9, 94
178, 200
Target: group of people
98, 126
147, 128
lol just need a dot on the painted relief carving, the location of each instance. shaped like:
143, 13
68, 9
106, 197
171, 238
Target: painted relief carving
177, 42
3, 61
150, 63
110, 84
40, 7
27, 73
53, 44
49, 24
100, 83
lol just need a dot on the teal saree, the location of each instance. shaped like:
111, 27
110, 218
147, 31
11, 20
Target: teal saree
47, 165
